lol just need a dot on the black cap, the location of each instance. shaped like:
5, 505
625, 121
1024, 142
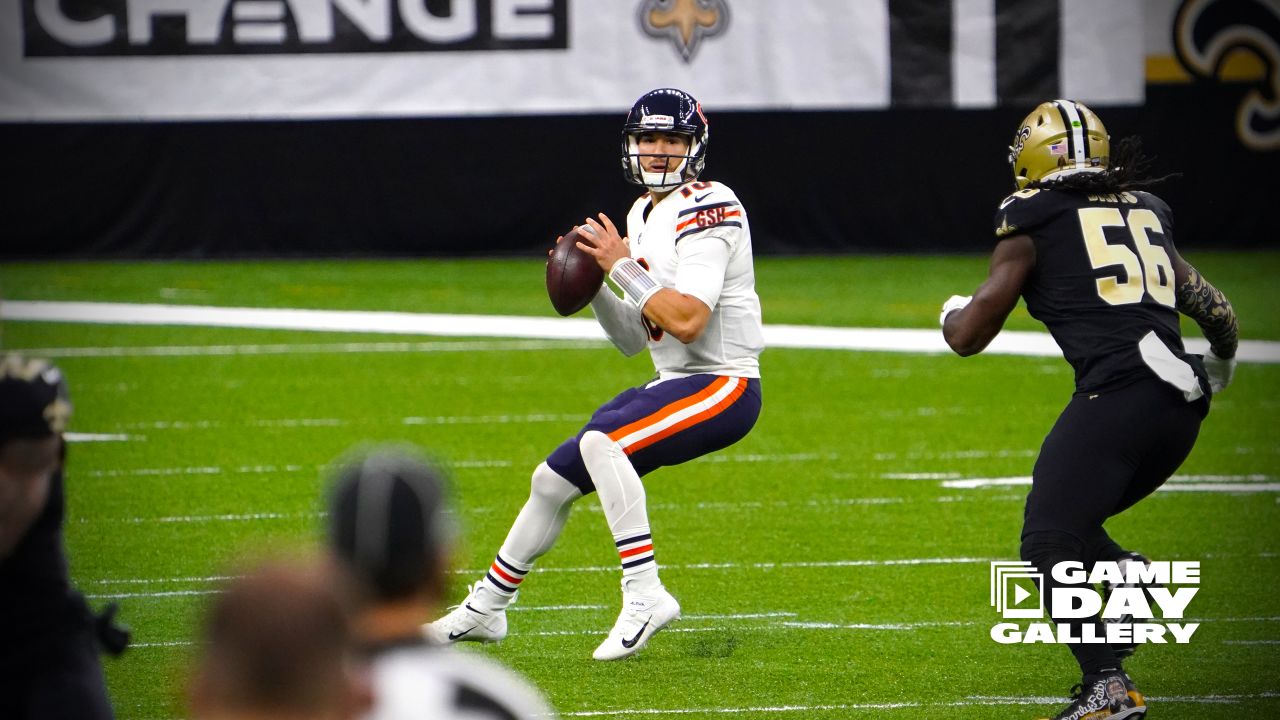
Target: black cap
387, 521
33, 398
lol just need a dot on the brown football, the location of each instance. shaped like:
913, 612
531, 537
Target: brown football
573, 276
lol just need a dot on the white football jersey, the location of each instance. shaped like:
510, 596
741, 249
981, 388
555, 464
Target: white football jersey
422, 682
698, 242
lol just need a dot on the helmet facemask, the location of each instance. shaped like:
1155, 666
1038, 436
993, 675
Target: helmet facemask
1058, 139
661, 181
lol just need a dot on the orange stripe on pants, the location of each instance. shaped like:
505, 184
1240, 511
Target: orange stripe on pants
669, 409
675, 407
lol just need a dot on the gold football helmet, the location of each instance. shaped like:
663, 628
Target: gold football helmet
1059, 137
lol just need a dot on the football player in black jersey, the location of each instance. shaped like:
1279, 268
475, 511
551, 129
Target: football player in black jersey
1093, 256
49, 666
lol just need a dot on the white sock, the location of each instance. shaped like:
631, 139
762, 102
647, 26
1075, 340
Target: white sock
623, 499
533, 533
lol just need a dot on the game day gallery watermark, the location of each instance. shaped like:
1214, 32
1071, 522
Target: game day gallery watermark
1138, 608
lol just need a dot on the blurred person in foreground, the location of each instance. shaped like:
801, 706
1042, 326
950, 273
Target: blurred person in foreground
392, 538
1094, 257
49, 640
277, 645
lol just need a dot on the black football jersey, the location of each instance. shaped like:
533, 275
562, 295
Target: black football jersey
1102, 280
36, 597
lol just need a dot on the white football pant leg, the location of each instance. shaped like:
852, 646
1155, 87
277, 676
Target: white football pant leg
617, 482
540, 521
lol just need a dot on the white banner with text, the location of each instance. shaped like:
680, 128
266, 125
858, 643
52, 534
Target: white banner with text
63, 60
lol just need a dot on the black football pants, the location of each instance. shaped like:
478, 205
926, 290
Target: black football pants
1106, 452
56, 680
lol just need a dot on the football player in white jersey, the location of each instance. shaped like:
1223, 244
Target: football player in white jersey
688, 295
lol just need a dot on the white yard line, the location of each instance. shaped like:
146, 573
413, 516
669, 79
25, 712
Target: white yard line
761, 565
954, 454
877, 626
972, 701
341, 422
309, 348
255, 469
555, 608
602, 568
225, 517
589, 507
765, 458
1251, 642
98, 437
1034, 344
773, 504
164, 581
1177, 483
157, 594
818, 564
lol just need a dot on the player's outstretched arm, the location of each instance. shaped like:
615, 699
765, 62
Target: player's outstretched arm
1199, 300
970, 324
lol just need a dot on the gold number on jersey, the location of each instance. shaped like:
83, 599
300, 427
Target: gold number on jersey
1147, 271
1156, 262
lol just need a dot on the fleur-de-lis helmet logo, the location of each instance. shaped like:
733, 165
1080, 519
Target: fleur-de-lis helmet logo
686, 23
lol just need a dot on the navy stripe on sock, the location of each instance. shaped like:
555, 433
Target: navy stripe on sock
510, 568
637, 538
501, 585
635, 563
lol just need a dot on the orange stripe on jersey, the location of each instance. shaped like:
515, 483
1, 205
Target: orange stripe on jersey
635, 551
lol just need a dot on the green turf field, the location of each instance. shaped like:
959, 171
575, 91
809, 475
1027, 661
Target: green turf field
776, 547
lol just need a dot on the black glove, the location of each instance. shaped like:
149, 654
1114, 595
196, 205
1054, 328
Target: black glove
112, 637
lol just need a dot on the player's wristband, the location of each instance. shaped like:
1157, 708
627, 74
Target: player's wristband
636, 282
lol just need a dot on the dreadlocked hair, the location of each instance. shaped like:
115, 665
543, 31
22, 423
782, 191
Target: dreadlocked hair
1126, 172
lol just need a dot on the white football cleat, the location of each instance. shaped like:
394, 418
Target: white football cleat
641, 617
472, 621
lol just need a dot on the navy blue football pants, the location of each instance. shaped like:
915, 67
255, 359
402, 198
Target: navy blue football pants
667, 423
1106, 452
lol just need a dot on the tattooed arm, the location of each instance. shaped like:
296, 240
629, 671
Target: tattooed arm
1205, 304
1211, 310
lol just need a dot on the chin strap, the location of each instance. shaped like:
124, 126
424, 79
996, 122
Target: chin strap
665, 181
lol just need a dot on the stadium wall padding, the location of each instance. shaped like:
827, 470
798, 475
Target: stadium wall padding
881, 181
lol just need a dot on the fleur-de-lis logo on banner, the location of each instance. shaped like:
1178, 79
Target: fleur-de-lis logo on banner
684, 22
1209, 33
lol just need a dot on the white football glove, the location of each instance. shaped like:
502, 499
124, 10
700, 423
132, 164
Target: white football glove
1220, 371
955, 302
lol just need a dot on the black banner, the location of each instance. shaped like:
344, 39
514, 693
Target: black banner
904, 180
